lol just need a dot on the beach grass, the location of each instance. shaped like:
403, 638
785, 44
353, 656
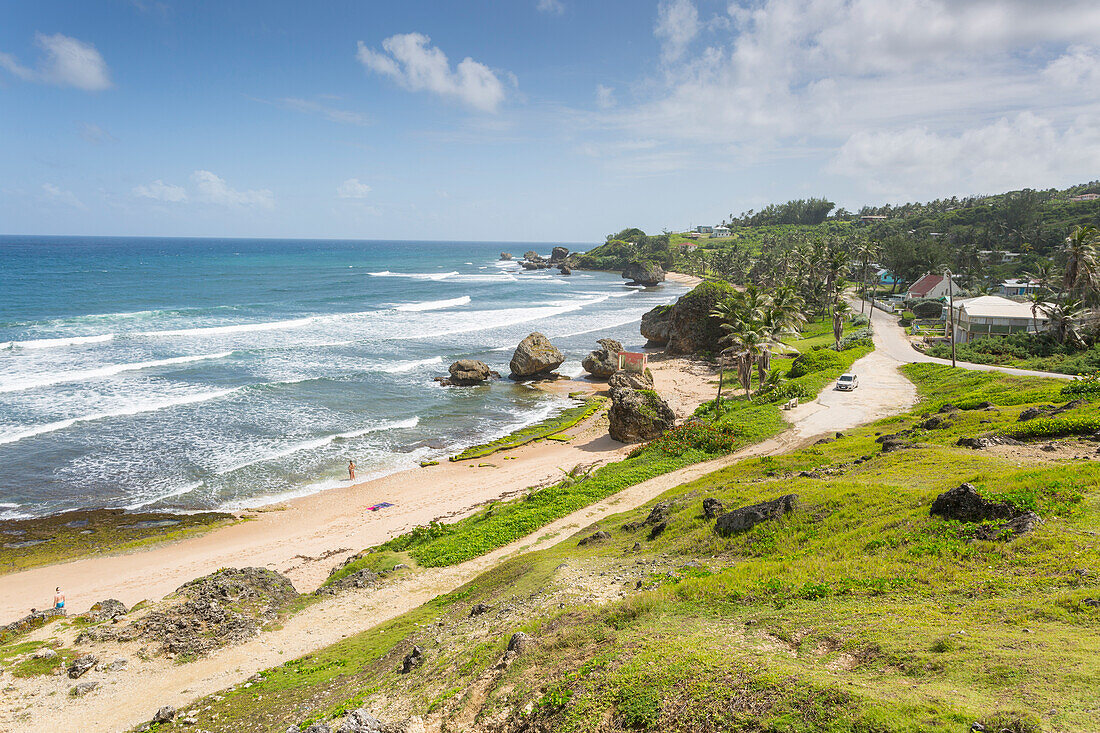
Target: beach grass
548, 428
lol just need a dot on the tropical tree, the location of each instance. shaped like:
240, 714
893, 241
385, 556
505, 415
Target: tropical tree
1082, 273
1064, 317
841, 309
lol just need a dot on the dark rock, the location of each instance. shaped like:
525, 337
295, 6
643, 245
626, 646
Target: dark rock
824, 441
83, 688
712, 508
529, 265
691, 328
412, 660
359, 579
468, 372
1011, 529
535, 356
657, 515
165, 714
745, 518
644, 273
479, 608
983, 405
105, 611
558, 255
1049, 447
505, 256
532, 256
657, 530
595, 538
964, 504
604, 361
565, 270
623, 379
1031, 413
656, 323
637, 415
893, 443
935, 423
949, 408
81, 665
520, 642
985, 442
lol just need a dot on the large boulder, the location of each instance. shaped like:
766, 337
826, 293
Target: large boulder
558, 255
747, 517
604, 361
656, 323
638, 415
964, 504
532, 256
535, 357
691, 328
505, 256
107, 610
564, 270
644, 273
623, 379
467, 372
529, 265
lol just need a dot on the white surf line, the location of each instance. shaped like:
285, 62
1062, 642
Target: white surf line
107, 371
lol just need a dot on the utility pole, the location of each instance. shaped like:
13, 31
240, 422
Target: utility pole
951, 311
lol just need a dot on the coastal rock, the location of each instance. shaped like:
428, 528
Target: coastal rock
637, 415
505, 256
558, 255
412, 660
107, 610
656, 324
81, 665
691, 328
745, 518
33, 620
644, 273
564, 270
623, 379
535, 357
529, 265
466, 373
165, 715
604, 361
532, 256
712, 508
964, 504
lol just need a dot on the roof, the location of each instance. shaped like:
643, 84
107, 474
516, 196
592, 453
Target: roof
994, 306
926, 283
1019, 283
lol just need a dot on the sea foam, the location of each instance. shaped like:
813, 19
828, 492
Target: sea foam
56, 342
100, 372
433, 305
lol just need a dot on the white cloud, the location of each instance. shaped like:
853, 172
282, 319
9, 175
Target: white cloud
213, 189
413, 63
330, 113
677, 26
552, 7
1079, 67
352, 189
605, 96
158, 190
66, 62
68, 198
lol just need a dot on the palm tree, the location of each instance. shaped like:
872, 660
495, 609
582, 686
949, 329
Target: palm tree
840, 310
1064, 317
865, 252
1082, 274
1043, 274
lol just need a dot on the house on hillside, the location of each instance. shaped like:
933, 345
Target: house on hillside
704, 229
997, 256
1085, 197
1018, 288
929, 286
720, 231
687, 246
992, 315
872, 217
691, 234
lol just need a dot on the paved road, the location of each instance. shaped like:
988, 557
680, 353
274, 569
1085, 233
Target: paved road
890, 339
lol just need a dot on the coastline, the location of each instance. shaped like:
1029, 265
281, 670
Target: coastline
307, 536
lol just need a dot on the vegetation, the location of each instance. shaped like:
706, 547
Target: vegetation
548, 428
1041, 352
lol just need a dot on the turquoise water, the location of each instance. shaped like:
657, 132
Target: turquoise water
185, 374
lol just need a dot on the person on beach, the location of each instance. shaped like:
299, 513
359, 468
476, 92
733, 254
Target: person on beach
58, 598
351, 470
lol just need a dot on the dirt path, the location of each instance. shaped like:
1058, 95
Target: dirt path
114, 706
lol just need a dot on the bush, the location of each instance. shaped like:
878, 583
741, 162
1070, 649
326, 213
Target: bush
927, 308
1054, 427
814, 361
861, 319
695, 435
1090, 385
859, 337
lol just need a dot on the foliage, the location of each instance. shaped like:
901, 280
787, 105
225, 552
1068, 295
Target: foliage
800, 211
1026, 351
1089, 385
1042, 428
815, 361
544, 429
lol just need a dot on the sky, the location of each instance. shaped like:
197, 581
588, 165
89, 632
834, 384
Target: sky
527, 120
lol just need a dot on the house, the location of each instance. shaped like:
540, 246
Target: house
1018, 288
1085, 197
992, 315
704, 229
885, 277
989, 255
688, 246
929, 286
720, 231
691, 235
872, 217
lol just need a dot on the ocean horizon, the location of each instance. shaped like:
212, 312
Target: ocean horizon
192, 374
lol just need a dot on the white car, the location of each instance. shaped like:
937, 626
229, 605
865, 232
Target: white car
847, 382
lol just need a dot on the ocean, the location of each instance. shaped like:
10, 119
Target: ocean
199, 374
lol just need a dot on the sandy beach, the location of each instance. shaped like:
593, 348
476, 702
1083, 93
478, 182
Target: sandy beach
306, 537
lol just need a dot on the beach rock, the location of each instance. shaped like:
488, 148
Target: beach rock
105, 611
535, 357
44, 653
360, 579
1011, 529
532, 256
33, 620
595, 538
655, 325
712, 508
1031, 413
505, 256
604, 361
467, 372
643, 273
558, 255
745, 518
691, 328
623, 379
164, 715
564, 270
985, 442
964, 504
81, 665
638, 415
529, 265
412, 660
83, 688
657, 515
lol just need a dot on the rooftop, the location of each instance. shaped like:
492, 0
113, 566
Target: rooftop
994, 306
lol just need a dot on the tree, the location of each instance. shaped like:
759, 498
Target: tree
1082, 273
841, 309
1064, 317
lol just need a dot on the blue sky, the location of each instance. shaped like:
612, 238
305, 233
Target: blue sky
527, 119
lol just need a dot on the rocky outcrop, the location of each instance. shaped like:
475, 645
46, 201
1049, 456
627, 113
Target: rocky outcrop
964, 504
532, 256
638, 415
1011, 529
595, 538
656, 325
987, 441
712, 508
466, 373
81, 665
83, 688
521, 642
505, 256
412, 660
361, 721
604, 361
558, 255
644, 273
745, 518
535, 358
33, 620
107, 610
564, 270
623, 379
165, 715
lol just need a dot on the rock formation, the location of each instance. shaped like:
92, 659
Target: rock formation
656, 323
564, 270
535, 358
505, 256
745, 518
467, 372
644, 273
964, 504
712, 508
558, 255
686, 327
638, 415
604, 361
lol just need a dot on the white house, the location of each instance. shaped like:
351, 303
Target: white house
992, 315
720, 231
929, 286
1018, 288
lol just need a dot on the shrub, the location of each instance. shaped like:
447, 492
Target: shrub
696, 435
1054, 427
859, 337
861, 319
1090, 385
814, 361
927, 308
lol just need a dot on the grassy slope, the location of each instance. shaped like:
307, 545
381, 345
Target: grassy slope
859, 612
547, 428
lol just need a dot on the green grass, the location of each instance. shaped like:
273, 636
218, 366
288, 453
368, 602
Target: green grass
548, 428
